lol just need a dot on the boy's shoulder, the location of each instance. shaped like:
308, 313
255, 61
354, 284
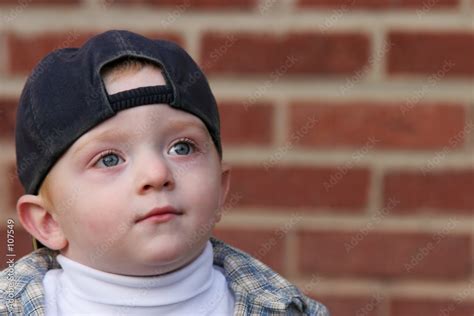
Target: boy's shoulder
258, 289
21, 290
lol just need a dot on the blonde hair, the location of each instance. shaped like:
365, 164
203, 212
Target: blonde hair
45, 193
126, 65
110, 72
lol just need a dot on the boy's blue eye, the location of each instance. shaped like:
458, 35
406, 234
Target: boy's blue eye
184, 147
109, 159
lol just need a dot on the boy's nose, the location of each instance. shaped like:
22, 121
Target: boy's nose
154, 174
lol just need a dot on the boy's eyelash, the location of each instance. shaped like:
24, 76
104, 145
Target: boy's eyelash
105, 153
186, 140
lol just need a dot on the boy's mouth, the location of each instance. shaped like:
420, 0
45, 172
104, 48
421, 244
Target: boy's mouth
159, 214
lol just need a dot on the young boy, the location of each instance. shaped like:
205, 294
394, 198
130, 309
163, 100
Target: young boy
119, 152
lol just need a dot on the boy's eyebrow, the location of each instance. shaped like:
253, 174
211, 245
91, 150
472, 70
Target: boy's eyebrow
180, 124
110, 133
104, 136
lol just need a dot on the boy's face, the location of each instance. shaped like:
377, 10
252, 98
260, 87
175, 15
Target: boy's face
148, 161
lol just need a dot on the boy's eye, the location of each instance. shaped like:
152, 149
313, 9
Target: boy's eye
183, 147
109, 159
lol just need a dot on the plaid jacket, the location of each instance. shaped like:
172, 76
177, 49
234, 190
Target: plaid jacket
257, 289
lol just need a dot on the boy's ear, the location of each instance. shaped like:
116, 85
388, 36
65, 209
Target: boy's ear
225, 185
39, 222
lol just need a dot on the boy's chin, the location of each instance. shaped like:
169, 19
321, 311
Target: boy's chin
162, 260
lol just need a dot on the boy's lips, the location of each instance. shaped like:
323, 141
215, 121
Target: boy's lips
160, 214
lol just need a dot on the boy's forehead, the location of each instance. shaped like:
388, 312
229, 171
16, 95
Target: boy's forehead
158, 118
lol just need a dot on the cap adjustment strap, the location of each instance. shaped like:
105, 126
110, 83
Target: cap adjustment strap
141, 96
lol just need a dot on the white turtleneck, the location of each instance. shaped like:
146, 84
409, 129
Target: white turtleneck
199, 288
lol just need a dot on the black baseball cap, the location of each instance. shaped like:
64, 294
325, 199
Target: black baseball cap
64, 97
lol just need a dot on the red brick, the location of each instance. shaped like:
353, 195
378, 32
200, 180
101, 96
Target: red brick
378, 4
7, 117
23, 243
264, 245
376, 254
22, 58
282, 186
435, 191
439, 55
350, 306
193, 4
419, 306
243, 124
291, 53
378, 126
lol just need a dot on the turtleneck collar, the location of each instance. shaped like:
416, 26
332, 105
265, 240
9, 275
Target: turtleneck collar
107, 288
198, 288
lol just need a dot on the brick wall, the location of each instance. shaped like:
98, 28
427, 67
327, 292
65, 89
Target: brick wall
348, 124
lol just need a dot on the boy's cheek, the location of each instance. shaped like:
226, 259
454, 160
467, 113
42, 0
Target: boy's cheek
206, 176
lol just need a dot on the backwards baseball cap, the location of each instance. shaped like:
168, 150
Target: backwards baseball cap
64, 97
